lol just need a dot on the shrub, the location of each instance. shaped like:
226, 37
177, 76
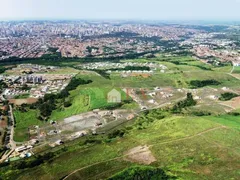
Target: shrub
227, 96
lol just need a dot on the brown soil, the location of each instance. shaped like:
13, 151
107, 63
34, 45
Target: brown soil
23, 101
140, 154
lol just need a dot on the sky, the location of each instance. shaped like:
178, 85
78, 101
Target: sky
121, 9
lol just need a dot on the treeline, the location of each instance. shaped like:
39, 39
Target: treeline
2, 70
227, 96
132, 68
188, 102
203, 83
106, 75
103, 73
148, 117
2, 85
142, 173
52, 60
29, 163
198, 66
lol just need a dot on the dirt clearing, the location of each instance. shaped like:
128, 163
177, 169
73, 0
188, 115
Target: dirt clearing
140, 154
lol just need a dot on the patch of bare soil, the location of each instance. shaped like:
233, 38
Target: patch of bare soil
23, 101
140, 154
234, 103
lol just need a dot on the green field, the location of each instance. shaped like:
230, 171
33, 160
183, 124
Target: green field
186, 147
23, 96
23, 121
236, 70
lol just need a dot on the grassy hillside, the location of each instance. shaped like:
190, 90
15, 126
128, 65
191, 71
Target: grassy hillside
185, 147
23, 121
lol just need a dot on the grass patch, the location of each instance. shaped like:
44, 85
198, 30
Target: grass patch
23, 121
23, 96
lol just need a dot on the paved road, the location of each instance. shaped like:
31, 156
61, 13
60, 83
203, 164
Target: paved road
12, 143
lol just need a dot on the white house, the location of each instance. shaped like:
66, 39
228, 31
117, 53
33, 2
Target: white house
236, 63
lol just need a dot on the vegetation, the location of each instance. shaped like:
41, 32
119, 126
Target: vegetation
189, 101
189, 144
227, 96
141, 173
23, 96
2, 70
178, 141
49, 102
24, 118
132, 68
203, 83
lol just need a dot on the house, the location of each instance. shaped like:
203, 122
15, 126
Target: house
236, 63
114, 96
23, 148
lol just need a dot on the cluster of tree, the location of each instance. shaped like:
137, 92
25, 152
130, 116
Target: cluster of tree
54, 56
189, 101
227, 96
203, 67
203, 83
4, 112
178, 63
201, 113
132, 68
25, 87
92, 141
102, 73
33, 162
148, 117
91, 48
52, 49
117, 133
49, 103
75, 82
215, 62
142, 173
3, 85
2, 70
183, 53
198, 66
234, 113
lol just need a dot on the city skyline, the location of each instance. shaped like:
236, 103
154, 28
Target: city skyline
135, 10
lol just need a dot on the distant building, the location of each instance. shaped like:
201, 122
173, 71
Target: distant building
32, 79
236, 63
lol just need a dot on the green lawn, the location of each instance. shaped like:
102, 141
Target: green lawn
227, 120
236, 70
23, 96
